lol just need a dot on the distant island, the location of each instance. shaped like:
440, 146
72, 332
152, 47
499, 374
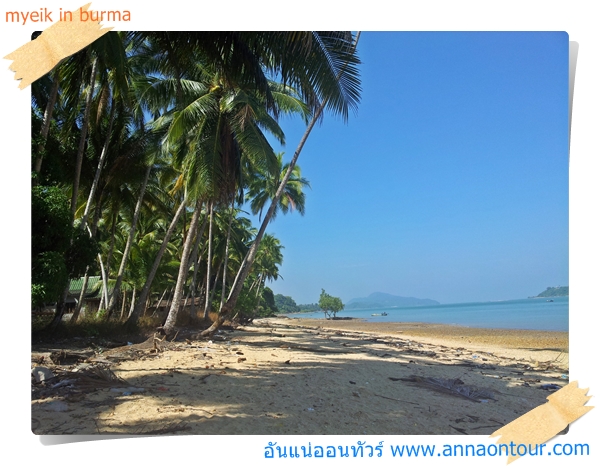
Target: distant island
377, 300
553, 292
380, 300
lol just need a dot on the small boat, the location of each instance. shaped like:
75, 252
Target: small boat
549, 300
382, 314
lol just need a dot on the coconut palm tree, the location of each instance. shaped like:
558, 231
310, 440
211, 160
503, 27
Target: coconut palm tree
340, 92
262, 188
221, 127
266, 265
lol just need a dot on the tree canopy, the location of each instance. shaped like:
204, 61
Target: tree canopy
285, 304
157, 138
330, 305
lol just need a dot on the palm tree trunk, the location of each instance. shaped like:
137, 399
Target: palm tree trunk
92, 233
123, 302
136, 214
236, 289
88, 206
132, 304
82, 139
137, 312
159, 301
46, 122
104, 283
261, 285
111, 247
208, 263
77, 310
226, 260
216, 282
196, 260
183, 271
60, 305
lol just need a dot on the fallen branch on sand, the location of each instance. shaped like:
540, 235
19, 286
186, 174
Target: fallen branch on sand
395, 399
454, 387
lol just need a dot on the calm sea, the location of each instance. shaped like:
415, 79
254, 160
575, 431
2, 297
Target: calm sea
528, 314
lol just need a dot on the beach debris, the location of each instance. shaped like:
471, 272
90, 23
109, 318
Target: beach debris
454, 387
462, 431
71, 384
64, 383
241, 359
63, 357
57, 406
395, 399
41, 374
353, 383
550, 386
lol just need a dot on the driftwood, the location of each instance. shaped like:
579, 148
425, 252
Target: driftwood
64, 357
454, 387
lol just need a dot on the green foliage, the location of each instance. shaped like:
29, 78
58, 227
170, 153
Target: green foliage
48, 277
207, 113
248, 305
58, 251
330, 305
50, 220
50, 238
268, 303
81, 253
285, 304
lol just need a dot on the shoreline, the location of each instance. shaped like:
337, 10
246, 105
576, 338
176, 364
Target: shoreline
534, 339
515, 343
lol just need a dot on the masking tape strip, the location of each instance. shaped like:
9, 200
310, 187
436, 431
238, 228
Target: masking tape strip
542, 423
36, 58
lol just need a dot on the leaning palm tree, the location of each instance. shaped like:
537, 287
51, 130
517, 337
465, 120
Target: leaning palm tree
221, 126
82, 76
340, 92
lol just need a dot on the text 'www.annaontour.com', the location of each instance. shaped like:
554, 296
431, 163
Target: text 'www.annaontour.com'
364, 450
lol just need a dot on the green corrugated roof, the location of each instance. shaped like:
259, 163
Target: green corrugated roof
92, 288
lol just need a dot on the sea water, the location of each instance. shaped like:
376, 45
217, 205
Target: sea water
527, 314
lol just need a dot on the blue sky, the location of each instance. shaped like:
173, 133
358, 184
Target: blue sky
451, 181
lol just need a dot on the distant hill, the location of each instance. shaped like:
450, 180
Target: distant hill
285, 304
554, 291
379, 300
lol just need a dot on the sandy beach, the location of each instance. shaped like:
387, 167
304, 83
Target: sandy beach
300, 376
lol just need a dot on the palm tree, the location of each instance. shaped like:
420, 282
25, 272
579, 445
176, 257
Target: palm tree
221, 126
266, 265
341, 92
107, 53
263, 187
210, 100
